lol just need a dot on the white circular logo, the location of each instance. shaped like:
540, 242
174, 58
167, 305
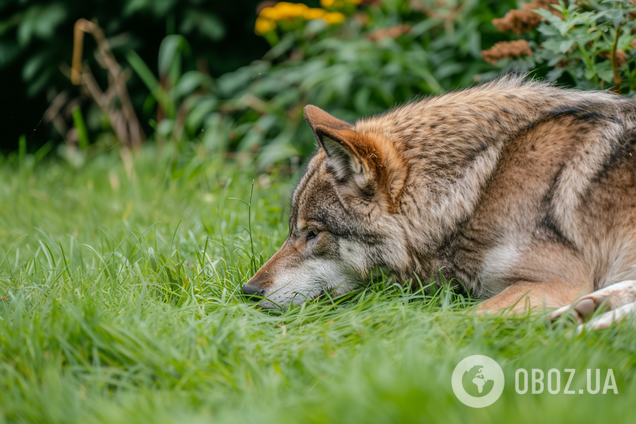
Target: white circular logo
478, 381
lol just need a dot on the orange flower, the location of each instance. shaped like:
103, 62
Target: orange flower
288, 10
268, 13
334, 18
264, 25
283, 10
314, 13
338, 3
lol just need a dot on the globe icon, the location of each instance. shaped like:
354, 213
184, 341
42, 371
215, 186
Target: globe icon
476, 382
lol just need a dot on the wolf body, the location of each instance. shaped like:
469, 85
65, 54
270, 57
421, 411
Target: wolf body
524, 192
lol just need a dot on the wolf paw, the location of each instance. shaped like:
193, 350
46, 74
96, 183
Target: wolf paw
608, 318
617, 297
581, 311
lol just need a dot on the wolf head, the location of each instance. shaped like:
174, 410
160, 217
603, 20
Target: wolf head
343, 222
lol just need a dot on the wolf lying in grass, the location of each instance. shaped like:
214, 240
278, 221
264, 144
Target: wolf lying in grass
524, 192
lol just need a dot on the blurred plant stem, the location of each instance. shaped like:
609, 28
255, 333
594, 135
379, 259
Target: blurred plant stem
115, 101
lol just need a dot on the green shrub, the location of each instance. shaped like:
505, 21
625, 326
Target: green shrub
587, 44
383, 54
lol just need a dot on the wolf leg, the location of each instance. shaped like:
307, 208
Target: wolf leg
522, 296
612, 297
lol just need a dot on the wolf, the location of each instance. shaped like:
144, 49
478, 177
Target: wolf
523, 191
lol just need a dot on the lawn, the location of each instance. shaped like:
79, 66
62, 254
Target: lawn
120, 283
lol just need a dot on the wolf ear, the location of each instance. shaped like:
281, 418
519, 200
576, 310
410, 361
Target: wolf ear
332, 135
370, 160
316, 116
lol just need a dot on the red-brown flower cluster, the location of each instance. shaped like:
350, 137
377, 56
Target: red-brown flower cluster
621, 57
505, 50
392, 32
519, 21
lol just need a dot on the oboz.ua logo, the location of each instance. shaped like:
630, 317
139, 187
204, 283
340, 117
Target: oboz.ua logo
478, 381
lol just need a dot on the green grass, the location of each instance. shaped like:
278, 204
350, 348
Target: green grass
121, 303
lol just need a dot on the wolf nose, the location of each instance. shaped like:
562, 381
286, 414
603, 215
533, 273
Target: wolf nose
251, 291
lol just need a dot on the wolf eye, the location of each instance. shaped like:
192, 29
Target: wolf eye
312, 233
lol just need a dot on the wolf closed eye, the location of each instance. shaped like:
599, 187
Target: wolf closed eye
523, 191
311, 234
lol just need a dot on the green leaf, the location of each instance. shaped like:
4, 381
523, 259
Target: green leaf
205, 23
191, 81
143, 71
169, 51
80, 126
165, 127
38, 85
559, 46
604, 70
49, 18
199, 112
33, 65
589, 73
41, 21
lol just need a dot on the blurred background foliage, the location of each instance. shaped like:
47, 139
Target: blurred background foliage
585, 44
381, 53
36, 47
234, 77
